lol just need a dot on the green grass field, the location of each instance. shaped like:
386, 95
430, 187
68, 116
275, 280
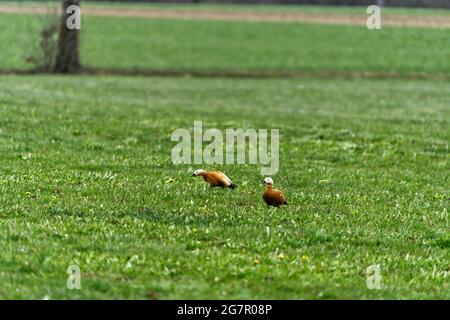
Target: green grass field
252, 46
86, 176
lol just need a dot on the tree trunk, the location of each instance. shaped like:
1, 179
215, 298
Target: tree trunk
67, 59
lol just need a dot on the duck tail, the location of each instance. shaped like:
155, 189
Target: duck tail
233, 186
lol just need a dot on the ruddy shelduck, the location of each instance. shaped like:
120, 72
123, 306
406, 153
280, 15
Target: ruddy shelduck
272, 197
215, 178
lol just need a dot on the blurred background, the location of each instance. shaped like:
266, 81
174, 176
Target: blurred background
216, 36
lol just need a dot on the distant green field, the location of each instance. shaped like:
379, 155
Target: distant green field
216, 45
86, 178
220, 45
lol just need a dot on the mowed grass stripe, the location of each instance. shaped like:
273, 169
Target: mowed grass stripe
231, 8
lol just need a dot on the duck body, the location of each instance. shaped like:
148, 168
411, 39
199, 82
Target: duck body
271, 196
215, 178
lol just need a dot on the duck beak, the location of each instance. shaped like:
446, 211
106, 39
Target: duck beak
193, 175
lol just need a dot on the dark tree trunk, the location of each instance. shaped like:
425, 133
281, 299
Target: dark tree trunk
67, 59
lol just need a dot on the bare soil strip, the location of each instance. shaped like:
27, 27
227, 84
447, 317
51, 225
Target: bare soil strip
299, 17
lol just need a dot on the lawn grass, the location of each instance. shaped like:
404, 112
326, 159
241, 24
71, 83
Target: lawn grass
218, 45
86, 178
124, 43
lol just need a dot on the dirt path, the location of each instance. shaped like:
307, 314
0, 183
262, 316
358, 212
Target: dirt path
190, 14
